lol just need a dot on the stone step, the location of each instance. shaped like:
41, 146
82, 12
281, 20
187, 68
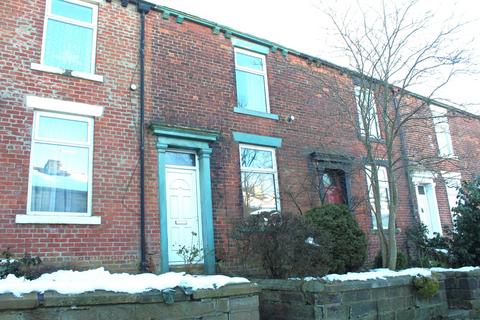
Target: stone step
459, 314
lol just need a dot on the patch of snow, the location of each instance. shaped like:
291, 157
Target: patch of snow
462, 269
5, 261
75, 282
376, 274
312, 242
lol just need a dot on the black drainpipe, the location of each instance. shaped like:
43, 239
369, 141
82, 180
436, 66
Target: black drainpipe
143, 8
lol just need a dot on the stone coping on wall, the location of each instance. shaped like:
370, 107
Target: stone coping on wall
54, 299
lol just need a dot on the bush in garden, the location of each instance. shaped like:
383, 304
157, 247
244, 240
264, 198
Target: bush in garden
348, 240
427, 252
465, 244
23, 267
284, 245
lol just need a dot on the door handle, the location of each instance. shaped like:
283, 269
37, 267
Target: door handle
180, 222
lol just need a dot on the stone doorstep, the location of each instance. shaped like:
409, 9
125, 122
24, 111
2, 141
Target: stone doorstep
100, 297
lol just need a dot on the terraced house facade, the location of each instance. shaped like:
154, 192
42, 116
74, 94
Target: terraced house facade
129, 130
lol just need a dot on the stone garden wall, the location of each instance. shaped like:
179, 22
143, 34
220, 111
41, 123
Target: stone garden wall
395, 298
463, 290
233, 302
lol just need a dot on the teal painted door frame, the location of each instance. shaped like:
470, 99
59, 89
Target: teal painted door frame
190, 139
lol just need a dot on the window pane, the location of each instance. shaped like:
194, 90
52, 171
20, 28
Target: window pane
59, 178
63, 129
254, 158
68, 46
73, 11
258, 192
251, 91
248, 61
180, 159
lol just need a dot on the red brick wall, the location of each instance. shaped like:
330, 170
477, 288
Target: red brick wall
189, 82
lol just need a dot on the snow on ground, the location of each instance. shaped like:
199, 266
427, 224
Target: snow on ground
385, 273
74, 282
462, 269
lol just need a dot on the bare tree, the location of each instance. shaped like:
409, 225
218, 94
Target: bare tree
391, 52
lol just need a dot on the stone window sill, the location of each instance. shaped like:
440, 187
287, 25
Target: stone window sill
75, 74
39, 219
256, 113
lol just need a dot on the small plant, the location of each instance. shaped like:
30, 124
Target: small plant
427, 286
191, 254
18, 267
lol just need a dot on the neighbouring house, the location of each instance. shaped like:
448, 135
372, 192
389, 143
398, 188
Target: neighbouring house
230, 124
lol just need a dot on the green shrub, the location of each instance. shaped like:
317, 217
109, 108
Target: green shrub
427, 286
284, 245
348, 240
465, 245
427, 252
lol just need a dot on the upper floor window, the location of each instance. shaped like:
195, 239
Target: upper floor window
384, 194
259, 179
69, 35
367, 112
251, 79
61, 165
442, 131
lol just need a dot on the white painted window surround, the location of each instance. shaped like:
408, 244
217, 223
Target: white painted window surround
384, 195
61, 106
453, 182
75, 74
367, 112
70, 113
442, 132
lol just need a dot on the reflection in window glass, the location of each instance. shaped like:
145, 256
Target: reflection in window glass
259, 180
60, 165
62, 129
258, 192
59, 178
255, 158
180, 159
248, 61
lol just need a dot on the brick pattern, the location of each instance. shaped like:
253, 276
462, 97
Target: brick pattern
189, 82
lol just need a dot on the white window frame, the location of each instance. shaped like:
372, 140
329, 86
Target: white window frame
382, 184
453, 183
60, 217
253, 71
273, 170
372, 108
442, 132
94, 26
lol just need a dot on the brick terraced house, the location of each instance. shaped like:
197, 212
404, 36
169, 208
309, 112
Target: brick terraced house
129, 129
